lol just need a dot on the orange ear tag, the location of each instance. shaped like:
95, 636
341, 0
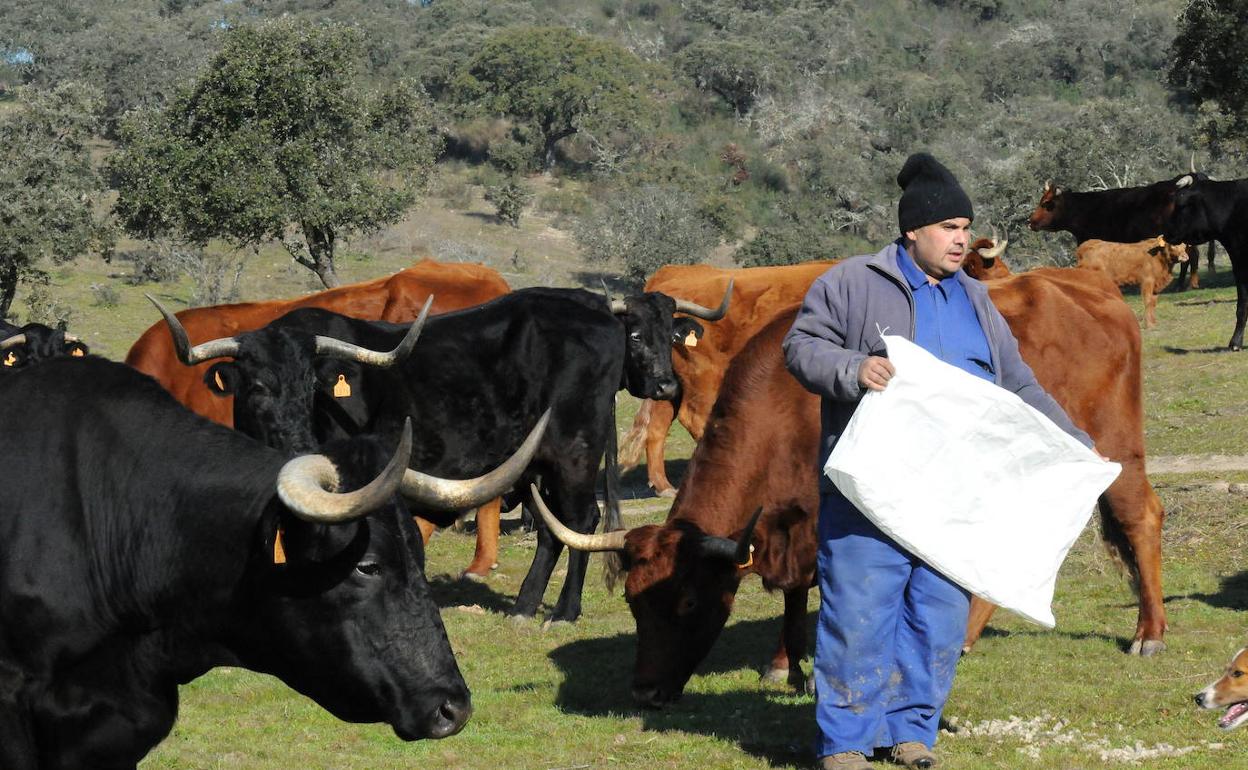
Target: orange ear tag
77, 353
750, 561
216, 377
12, 359
279, 553
342, 388
691, 340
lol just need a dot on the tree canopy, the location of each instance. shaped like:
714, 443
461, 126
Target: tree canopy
276, 140
555, 82
47, 184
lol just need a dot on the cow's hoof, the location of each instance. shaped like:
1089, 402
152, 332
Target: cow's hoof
521, 620
670, 492
1147, 648
775, 676
473, 576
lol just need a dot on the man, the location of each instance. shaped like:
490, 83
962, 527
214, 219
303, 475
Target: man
890, 627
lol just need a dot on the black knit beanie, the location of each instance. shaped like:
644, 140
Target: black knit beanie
930, 194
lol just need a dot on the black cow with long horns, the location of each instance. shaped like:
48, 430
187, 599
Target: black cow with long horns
21, 346
141, 545
478, 380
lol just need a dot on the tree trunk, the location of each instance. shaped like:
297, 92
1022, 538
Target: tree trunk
548, 150
321, 250
8, 287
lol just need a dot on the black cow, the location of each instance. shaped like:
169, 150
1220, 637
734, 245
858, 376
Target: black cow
1206, 210
21, 346
141, 545
477, 381
1123, 215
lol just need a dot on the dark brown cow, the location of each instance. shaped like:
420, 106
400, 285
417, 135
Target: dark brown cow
758, 451
397, 298
758, 294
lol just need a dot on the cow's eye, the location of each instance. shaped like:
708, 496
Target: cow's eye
688, 603
369, 568
1236, 674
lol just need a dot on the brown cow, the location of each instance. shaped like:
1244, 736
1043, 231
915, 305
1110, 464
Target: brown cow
397, 298
758, 294
759, 448
1148, 264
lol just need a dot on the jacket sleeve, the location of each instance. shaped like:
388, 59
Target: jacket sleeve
814, 348
1017, 377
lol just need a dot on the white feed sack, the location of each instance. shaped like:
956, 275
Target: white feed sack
970, 479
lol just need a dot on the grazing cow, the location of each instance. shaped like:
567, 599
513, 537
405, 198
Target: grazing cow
21, 346
475, 384
758, 294
1148, 264
1205, 210
140, 546
759, 450
396, 298
1122, 215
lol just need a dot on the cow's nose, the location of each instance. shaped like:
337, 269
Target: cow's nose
666, 389
1200, 699
650, 697
449, 718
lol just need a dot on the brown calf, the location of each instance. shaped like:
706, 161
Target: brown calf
1147, 264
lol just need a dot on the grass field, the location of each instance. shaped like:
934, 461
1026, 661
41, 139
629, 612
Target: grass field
558, 697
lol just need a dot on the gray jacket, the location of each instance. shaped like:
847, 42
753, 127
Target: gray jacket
836, 328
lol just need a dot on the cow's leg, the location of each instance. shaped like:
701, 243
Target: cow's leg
567, 502
1150, 302
568, 607
633, 442
661, 416
977, 621
1183, 267
486, 556
1241, 308
1131, 521
786, 664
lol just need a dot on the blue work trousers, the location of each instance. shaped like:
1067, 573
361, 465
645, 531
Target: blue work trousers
890, 633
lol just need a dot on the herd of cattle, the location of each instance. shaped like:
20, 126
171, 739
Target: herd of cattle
143, 541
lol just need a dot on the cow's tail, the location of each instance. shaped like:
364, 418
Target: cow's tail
612, 564
634, 442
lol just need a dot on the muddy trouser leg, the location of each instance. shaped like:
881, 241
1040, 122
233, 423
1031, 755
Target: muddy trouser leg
929, 642
862, 584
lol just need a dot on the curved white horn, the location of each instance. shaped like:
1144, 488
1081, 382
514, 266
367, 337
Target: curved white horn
336, 348
447, 495
607, 541
706, 313
305, 485
218, 348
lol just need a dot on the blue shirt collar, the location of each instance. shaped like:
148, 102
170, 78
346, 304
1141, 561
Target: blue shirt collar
915, 276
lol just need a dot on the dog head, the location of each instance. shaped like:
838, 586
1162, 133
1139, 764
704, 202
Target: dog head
1231, 692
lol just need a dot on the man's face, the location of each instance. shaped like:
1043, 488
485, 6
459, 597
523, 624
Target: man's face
940, 248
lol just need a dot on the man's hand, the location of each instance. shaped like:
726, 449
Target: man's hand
875, 372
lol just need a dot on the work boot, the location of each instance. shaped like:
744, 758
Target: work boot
845, 760
913, 755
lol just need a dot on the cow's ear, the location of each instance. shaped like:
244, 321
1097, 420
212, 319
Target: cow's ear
293, 541
77, 349
222, 378
686, 331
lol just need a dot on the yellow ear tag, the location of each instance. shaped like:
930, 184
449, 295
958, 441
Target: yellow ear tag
77, 353
342, 388
12, 359
216, 377
750, 561
691, 340
279, 553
